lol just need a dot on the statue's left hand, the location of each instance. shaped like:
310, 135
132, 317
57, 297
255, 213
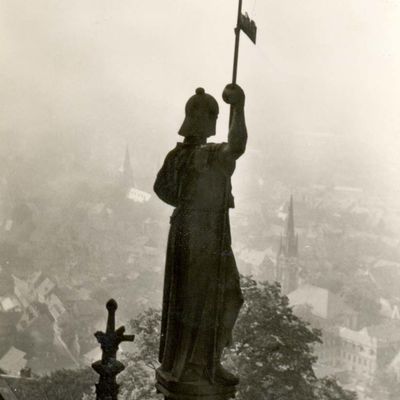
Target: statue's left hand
233, 94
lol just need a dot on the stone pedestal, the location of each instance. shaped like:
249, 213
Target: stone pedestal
174, 390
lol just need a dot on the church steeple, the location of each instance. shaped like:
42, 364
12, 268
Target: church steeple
290, 235
286, 263
127, 173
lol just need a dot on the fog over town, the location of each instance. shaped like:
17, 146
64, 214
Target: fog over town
92, 95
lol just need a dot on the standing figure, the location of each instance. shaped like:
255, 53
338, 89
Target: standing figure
202, 295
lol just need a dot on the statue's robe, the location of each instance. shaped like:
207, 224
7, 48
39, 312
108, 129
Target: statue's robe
201, 286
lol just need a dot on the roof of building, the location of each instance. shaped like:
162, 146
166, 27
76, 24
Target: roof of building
357, 337
374, 336
13, 361
138, 196
323, 303
9, 303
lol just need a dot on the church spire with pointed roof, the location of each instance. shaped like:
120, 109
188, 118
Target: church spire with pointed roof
290, 235
287, 269
127, 172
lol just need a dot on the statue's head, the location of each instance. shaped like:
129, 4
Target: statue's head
201, 113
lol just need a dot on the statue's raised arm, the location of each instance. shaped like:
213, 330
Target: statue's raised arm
237, 136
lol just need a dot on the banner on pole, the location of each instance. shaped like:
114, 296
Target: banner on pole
248, 26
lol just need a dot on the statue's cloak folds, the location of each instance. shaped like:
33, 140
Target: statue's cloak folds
196, 180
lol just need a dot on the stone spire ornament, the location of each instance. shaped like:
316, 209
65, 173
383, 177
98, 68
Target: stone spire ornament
109, 367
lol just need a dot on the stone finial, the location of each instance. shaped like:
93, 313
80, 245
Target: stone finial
109, 367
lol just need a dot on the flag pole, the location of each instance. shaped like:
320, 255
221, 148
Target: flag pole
237, 40
220, 274
236, 53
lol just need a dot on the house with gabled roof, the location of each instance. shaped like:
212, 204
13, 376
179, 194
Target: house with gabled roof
13, 361
370, 349
324, 305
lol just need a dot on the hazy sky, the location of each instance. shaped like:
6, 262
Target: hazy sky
122, 70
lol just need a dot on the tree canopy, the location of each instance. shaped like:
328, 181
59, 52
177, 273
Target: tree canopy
272, 354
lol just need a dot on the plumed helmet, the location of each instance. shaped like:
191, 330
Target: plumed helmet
201, 114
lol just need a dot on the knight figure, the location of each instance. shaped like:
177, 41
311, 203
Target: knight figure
202, 295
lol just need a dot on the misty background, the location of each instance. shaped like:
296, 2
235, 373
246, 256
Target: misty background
322, 84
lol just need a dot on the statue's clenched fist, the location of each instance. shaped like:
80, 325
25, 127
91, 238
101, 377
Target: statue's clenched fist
233, 94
